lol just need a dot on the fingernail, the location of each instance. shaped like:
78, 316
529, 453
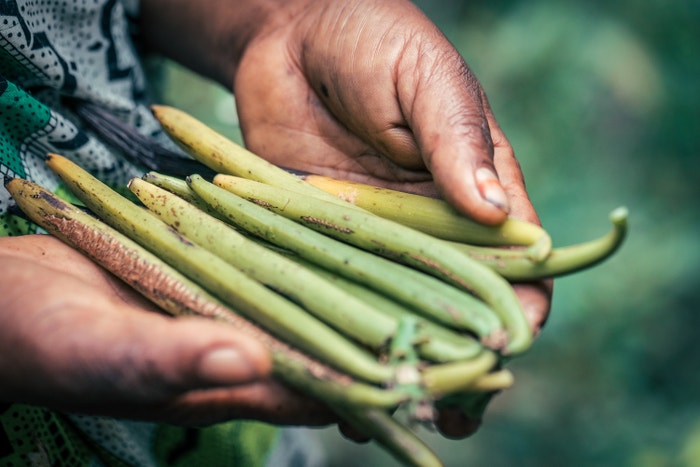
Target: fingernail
226, 365
490, 188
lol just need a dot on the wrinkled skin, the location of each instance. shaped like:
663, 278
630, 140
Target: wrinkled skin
364, 90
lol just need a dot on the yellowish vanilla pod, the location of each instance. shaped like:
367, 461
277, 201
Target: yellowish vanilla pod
433, 216
223, 155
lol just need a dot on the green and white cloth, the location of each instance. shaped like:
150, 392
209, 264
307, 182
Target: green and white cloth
51, 53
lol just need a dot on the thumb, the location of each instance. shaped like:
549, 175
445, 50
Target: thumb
137, 357
448, 115
160, 356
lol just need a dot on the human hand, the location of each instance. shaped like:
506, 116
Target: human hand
373, 92
364, 90
76, 339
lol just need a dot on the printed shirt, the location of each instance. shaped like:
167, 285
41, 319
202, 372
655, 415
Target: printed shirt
52, 53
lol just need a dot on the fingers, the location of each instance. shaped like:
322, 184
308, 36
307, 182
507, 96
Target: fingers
536, 299
94, 349
453, 424
143, 357
444, 107
77, 340
265, 400
349, 432
78, 346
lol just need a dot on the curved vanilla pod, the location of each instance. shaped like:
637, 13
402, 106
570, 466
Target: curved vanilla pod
396, 438
222, 155
516, 266
448, 378
179, 296
421, 292
346, 313
270, 310
433, 216
443, 344
398, 242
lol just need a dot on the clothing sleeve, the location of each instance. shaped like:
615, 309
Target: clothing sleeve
131, 7
52, 55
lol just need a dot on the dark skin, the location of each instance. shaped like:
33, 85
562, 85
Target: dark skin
364, 90
75, 338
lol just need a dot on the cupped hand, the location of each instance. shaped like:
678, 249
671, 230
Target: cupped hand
74, 338
372, 91
367, 90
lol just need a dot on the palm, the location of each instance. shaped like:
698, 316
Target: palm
308, 114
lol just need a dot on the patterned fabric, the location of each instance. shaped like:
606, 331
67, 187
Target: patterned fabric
35, 436
51, 53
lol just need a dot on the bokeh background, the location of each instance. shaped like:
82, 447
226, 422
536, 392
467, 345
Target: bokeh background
601, 101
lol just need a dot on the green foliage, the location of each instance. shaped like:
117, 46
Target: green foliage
600, 101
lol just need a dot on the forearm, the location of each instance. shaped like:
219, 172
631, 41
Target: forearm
207, 36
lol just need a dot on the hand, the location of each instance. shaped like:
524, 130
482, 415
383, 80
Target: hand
372, 91
74, 338
358, 89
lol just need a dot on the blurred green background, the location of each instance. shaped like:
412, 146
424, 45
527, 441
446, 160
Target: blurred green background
601, 101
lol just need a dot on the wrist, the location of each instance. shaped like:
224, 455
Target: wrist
206, 36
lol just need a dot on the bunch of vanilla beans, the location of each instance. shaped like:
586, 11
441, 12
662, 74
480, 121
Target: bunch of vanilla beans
385, 305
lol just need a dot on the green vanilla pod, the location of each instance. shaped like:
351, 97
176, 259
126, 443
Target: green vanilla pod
340, 309
449, 378
397, 242
491, 382
421, 292
516, 266
432, 216
396, 438
222, 155
267, 308
177, 186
